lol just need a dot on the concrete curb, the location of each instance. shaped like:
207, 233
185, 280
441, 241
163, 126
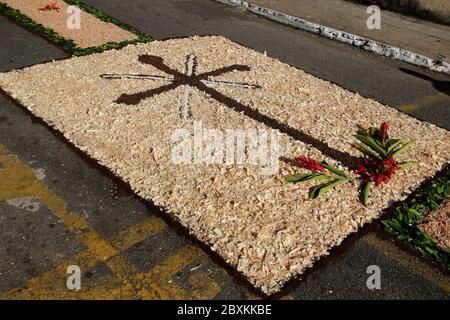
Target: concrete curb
345, 37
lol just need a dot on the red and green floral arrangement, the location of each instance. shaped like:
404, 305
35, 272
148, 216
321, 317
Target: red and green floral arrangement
50, 7
378, 167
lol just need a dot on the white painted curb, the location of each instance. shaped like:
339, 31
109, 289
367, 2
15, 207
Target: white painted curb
345, 37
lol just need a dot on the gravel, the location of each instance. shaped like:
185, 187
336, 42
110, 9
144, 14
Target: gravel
437, 225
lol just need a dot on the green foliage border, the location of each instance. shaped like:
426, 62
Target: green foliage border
403, 223
68, 44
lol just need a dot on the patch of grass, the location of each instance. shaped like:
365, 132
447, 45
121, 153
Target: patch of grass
68, 44
403, 223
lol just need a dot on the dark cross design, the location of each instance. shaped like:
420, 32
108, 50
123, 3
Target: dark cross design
199, 81
189, 78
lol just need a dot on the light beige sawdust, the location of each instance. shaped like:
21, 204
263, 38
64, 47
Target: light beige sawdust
260, 224
437, 225
93, 31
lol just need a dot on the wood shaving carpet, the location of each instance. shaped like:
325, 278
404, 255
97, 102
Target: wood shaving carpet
260, 224
92, 33
437, 225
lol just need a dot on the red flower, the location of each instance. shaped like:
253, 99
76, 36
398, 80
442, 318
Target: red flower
309, 163
50, 6
388, 162
384, 129
378, 171
361, 170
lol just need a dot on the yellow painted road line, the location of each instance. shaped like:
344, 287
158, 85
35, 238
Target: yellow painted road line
131, 276
160, 277
424, 101
141, 231
48, 282
17, 180
99, 247
287, 297
202, 286
43, 286
410, 262
97, 292
51, 284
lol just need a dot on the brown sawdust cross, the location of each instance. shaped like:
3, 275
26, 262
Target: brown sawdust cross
190, 79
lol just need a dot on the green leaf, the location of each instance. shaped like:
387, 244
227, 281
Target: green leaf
366, 191
301, 177
401, 149
333, 169
380, 144
394, 143
368, 151
403, 224
372, 144
319, 190
407, 165
376, 134
363, 132
374, 131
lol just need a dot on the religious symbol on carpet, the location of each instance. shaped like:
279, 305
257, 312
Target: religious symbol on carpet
189, 79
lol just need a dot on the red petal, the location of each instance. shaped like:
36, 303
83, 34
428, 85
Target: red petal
379, 180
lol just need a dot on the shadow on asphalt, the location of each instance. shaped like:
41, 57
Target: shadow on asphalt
442, 86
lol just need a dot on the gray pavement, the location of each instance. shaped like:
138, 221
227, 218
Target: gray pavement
110, 209
409, 33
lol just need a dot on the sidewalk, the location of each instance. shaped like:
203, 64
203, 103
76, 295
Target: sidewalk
421, 37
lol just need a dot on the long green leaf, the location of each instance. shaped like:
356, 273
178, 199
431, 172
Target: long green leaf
401, 149
368, 151
407, 165
362, 132
394, 144
372, 144
301, 177
319, 190
333, 169
375, 133
366, 191
380, 144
